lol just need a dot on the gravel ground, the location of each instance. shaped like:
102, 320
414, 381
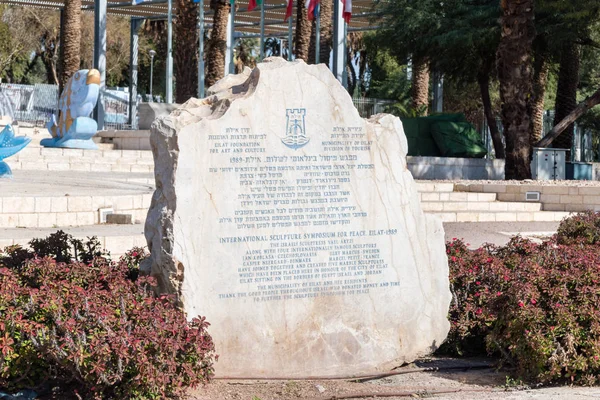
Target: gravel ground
453, 381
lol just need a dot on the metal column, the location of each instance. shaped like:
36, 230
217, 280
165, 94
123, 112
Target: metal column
133, 71
169, 83
339, 42
229, 44
201, 49
318, 33
231, 40
290, 43
262, 30
438, 92
100, 57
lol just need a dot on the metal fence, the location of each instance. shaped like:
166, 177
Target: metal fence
35, 104
367, 107
582, 147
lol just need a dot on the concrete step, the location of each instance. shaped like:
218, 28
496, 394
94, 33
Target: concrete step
53, 159
49, 211
425, 186
117, 239
457, 196
497, 206
482, 216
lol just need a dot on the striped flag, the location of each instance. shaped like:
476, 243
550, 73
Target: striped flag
253, 4
347, 14
289, 9
311, 8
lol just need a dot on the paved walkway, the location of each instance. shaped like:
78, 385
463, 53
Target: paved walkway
498, 233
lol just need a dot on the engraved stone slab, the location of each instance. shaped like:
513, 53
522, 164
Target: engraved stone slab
295, 227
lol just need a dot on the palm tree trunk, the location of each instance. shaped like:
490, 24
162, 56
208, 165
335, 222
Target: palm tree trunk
566, 92
217, 46
541, 70
483, 78
186, 51
303, 31
420, 86
515, 75
72, 40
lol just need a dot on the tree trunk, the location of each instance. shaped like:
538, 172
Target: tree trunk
562, 126
566, 92
515, 75
420, 86
326, 38
483, 78
72, 40
217, 45
186, 51
303, 31
541, 70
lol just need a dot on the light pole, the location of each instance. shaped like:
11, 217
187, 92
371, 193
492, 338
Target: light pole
152, 54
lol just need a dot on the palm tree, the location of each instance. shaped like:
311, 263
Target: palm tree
515, 75
566, 92
420, 85
71, 41
217, 46
303, 31
185, 55
541, 68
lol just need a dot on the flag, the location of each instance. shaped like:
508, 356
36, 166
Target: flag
289, 9
253, 3
311, 8
347, 14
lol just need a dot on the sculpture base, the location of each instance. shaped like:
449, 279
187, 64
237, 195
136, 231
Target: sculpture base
5, 171
66, 143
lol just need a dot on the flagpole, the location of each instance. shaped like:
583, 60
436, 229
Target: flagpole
318, 33
290, 47
201, 49
232, 60
262, 30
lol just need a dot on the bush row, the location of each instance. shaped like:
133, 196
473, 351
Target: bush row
94, 324
537, 306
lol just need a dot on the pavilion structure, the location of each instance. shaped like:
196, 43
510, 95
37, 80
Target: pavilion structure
265, 21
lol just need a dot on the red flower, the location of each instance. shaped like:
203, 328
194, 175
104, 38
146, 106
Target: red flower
478, 311
477, 294
134, 254
478, 283
533, 301
498, 293
453, 259
521, 304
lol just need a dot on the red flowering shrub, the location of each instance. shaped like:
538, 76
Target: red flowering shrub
536, 306
93, 325
582, 228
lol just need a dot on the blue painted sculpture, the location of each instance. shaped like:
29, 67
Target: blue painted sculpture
9, 145
75, 128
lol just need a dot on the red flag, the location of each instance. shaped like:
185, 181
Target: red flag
347, 14
311, 6
289, 9
253, 4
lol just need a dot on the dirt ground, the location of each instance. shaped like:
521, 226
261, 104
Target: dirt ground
450, 379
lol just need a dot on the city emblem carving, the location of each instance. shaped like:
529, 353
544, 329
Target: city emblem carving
295, 135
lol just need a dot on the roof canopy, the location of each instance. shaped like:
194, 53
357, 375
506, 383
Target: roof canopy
246, 22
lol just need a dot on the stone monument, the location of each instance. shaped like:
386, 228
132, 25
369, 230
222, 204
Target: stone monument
295, 227
74, 128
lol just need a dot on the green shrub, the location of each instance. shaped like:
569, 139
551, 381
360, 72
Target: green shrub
582, 228
93, 326
535, 306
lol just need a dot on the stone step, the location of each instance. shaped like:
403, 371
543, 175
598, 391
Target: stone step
117, 239
425, 186
53, 159
49, 211
457, 196
497, 206
482, 216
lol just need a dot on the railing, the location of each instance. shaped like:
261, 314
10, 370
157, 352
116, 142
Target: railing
35, 104
367, 107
